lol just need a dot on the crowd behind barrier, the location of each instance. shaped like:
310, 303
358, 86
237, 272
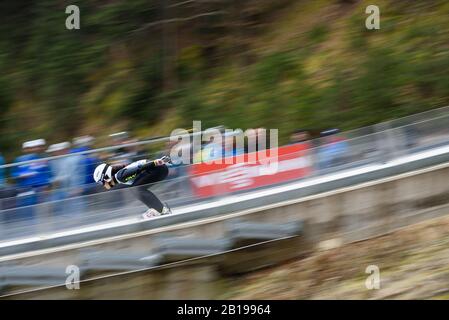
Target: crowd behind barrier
49, 193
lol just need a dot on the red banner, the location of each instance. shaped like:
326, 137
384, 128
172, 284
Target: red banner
250, 170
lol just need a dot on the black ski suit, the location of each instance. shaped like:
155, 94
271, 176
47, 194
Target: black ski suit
137, 175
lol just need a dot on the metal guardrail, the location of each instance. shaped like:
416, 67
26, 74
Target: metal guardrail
372, 157
253, 201
173, 249
103, 149
167, 250
53, 223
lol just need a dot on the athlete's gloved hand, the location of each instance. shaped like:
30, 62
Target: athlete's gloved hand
166, 159
162, 161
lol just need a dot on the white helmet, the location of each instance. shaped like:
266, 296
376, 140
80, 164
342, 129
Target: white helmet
103, 173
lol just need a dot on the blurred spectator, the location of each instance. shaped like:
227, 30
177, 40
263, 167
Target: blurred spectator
127, 154
33, 178
68, 178
35, 174
119, 137
333, 149
210, 151
251, 139
88, 162
256, 140
198, 156
7, 199
299, 136
7, 192
118, 156
262, 139
230, 147
134, 152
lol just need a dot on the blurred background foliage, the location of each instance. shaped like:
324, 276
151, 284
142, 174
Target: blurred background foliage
149, 66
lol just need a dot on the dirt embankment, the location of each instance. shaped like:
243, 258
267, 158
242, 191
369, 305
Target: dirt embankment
413, 264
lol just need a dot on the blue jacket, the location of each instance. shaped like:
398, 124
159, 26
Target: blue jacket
31, 175
331, 153
88, 165
67, 172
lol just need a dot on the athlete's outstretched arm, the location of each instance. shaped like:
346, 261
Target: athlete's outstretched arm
137, 167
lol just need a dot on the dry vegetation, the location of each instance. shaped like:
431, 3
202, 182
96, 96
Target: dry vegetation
413, 262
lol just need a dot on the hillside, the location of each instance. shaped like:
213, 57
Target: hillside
413, 264
135, 65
